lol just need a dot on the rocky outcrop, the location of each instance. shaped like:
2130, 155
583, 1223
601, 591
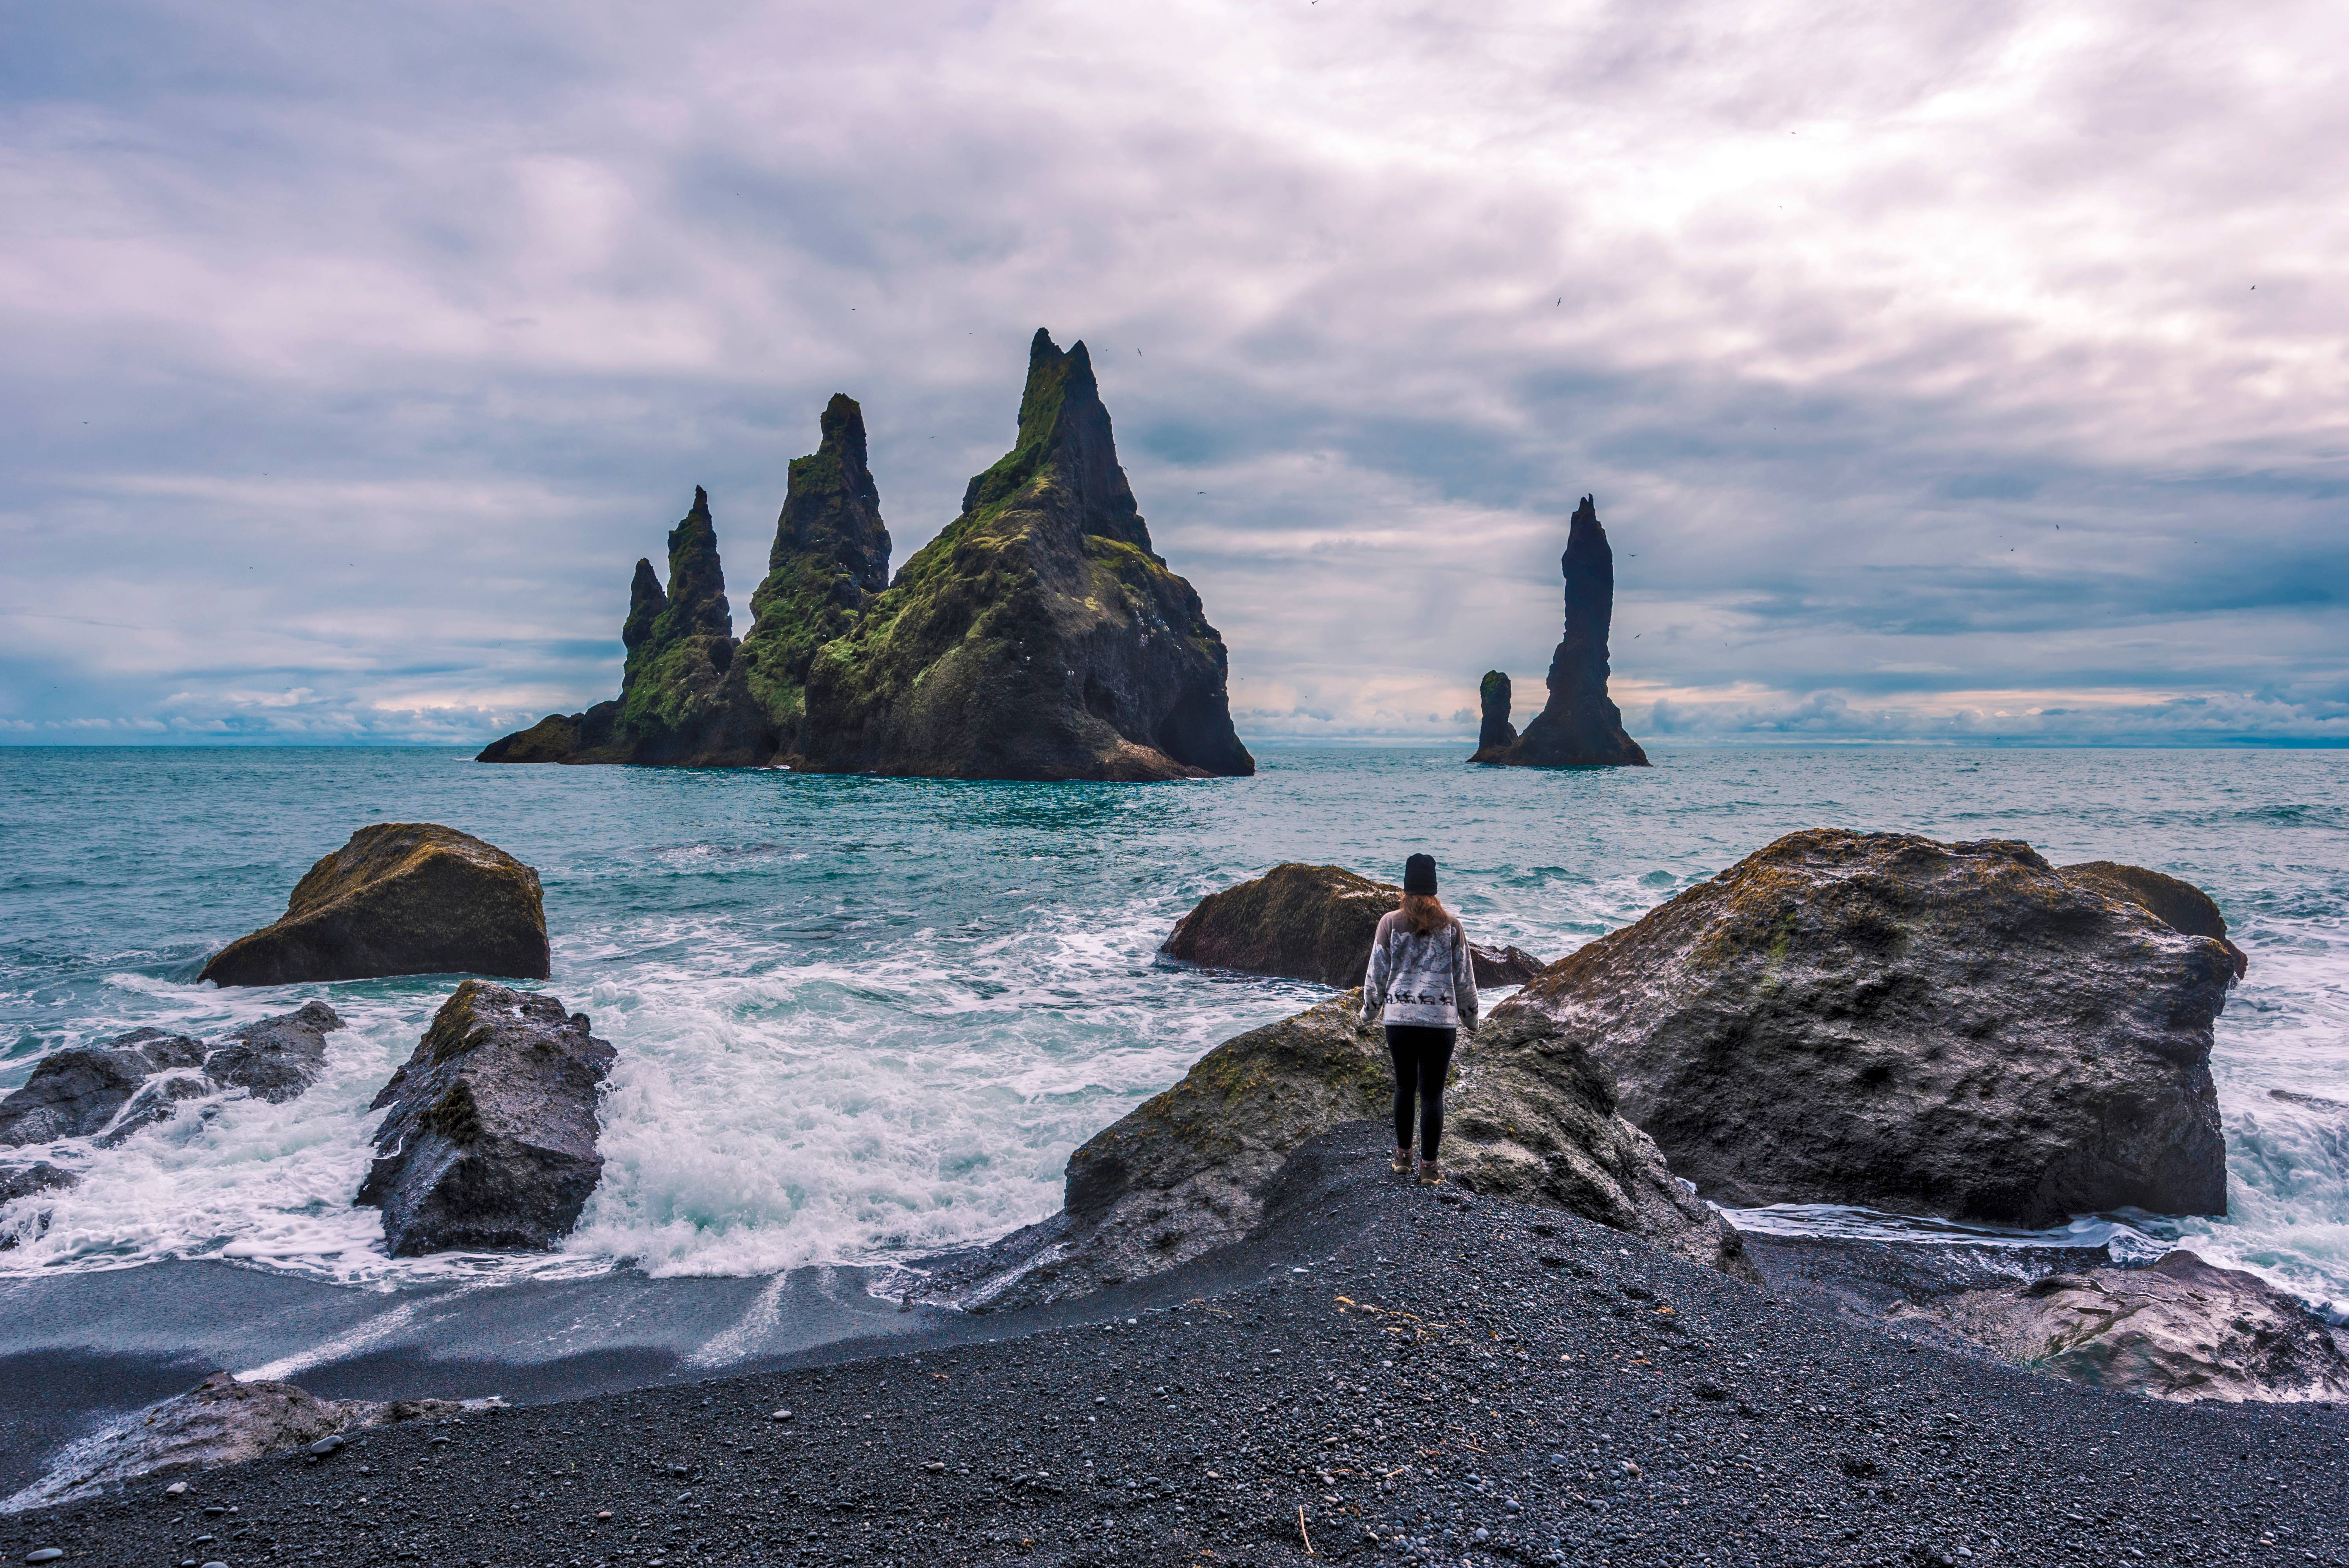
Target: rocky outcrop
1878, 1018
1189, 1170
20, 1181
1495, 733
830, 556
1038, 636
2182, 1329
107, 1093
401, 898
491, 1140
220, 1421
1580, 726
1309, 922
684, 701
76, 1092
2176, 903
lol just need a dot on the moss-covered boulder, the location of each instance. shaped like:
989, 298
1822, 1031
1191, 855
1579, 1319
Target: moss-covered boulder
401, 898
1309, 922
1039, 635
1189, 1170
1876, 1019
489, 1138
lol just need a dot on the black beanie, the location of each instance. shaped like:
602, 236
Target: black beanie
1419, 874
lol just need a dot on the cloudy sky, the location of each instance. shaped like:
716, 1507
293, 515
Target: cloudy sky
1943, 370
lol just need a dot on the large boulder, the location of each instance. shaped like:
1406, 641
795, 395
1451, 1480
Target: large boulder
1189, 1170
401, 898
75, 1092
1878, 1018
2182, 1329
1579, 725
491, 1140
2176, 903
220, 1421
1309, 922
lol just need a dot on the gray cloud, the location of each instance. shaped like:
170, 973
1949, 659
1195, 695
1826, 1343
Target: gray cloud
1944, 372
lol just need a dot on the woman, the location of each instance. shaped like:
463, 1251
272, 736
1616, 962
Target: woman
1422, 984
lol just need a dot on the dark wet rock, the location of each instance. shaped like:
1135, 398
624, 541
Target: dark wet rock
158, 1099
18, 1181
2175, 902
1881, 1019
220, 1421
1039, 635
1190, 1170
277, 1058
2182, 1329
401, 898
1309, 922
1495, 733
1579, 726
74, 1093
830, 556
491, 1140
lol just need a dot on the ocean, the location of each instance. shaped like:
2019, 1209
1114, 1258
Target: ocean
860, 1019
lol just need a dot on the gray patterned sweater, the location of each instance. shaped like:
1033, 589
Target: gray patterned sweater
1429, 980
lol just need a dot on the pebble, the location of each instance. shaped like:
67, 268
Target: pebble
326, 1446
781, 1416
177, 1489
45, 1554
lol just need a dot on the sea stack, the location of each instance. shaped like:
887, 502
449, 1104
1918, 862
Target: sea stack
683, 701
1037, 637
1579, 726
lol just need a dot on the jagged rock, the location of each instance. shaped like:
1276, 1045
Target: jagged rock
1038, 636
684, 701
1495, 733
491, 1140
2182, 1329
74, 1093
1309, 922
220, 1421
1580, 726
158, 1099
277, 1058
1189, 1170
1880, 1019
830, 555
401, 898
2176, 903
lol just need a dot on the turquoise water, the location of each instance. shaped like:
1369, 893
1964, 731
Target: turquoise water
860, 1018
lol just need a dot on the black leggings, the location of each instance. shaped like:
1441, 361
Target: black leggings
1422, 1056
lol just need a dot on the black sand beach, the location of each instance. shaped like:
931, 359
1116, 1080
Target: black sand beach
1383, 1369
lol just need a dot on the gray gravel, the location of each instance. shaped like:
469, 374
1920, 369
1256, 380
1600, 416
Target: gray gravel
1426, 1376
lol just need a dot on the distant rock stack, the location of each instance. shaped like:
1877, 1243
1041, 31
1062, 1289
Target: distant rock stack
1581, 727
831, 554
684, 701
1038, 636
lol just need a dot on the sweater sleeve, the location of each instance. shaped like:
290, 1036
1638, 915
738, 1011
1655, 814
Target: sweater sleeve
1374, 980
1464, 978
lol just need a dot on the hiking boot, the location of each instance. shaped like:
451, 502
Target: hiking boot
1430, 1173
1401, 1164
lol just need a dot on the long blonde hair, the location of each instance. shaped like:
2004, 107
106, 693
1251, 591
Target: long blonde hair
1425, 916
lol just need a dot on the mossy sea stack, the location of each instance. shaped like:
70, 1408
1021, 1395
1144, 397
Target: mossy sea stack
1037, 637
1580, 726
401, 898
